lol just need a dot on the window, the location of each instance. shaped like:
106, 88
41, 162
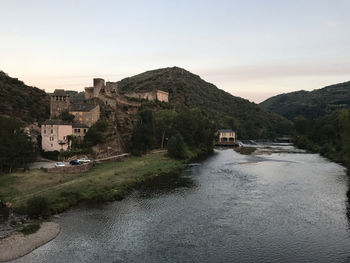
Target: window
51, 131
64, 137
51, 145
44, 131
84, 130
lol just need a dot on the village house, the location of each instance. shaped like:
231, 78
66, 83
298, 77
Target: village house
87, 114
227, 137
54, 134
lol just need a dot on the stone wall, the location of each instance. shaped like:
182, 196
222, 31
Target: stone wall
58, 105
162, 96
87, 117
142, 95
72, 168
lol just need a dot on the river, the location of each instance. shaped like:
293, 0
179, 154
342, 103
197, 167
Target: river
279, 207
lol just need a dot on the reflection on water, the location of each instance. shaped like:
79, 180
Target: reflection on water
276, 207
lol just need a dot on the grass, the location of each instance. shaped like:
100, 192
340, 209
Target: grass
107, 181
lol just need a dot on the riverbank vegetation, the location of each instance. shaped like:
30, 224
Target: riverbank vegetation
106, 181
187, 134
245, 150
16, 149
329, 135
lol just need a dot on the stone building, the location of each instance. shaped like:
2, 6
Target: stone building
59, 102
159, 95
227, 137
109, 94
54, 134
86, 114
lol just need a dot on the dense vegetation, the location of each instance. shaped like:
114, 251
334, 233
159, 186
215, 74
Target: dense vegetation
328, 135
16, 149
75, 96
189, 132
187, 90
23, 102
311, 105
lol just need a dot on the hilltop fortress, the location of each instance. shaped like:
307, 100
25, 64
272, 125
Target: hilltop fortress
109, 94
55, 132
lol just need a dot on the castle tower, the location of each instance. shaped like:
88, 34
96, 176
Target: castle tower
59, 102
98, 85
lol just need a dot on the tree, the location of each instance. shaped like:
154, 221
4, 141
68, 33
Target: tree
144, 133
96, 133
16, 148
66, 116
164, 121
176, 147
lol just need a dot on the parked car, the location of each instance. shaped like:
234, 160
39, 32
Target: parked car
84, 160
75, 162
59, 164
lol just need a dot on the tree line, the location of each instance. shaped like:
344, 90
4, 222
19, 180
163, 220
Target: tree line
186, 134
328, 135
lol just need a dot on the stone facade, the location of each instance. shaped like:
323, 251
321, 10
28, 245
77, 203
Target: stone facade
162, 96
79, 130
87, 114
59, 102
152, 95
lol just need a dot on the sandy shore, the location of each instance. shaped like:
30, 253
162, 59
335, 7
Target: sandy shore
18, 245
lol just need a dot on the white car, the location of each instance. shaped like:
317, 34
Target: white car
59, 164
84, 160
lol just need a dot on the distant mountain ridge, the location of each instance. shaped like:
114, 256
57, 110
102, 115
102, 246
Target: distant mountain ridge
310, 104
189, 90
22, 102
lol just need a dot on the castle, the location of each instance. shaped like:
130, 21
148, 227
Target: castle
85, 113
55, 133
109, 94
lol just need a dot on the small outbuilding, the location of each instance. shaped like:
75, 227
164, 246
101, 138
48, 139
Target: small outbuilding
227, 137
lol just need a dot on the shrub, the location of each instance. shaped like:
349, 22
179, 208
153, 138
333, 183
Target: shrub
51, 155
176, 147
37, 206
30, 228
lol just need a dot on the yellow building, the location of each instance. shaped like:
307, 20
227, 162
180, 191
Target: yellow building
227, 137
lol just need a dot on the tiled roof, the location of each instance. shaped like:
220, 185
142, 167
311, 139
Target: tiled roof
82, 107
80, 125
56, 122
225, 130
59, 92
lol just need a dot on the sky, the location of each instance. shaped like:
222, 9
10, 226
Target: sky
250, 48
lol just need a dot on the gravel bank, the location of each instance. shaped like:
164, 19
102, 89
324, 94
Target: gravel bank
18, 245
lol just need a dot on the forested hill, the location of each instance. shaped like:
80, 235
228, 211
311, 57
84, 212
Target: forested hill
23, 102
310, 104
227, 111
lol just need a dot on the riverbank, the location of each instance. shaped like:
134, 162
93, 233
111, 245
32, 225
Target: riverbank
18, 245
105, 182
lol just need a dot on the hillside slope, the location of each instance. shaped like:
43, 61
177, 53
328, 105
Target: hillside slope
22, 102
189, 90
310, 104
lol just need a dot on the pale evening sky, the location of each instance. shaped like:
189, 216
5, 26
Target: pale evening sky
251, 48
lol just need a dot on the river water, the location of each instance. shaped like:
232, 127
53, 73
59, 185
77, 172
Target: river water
279, 207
